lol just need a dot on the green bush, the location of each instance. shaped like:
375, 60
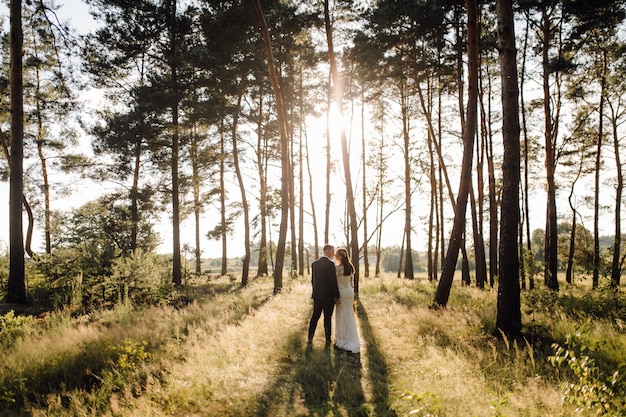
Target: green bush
143, 278
592, 387
13, 328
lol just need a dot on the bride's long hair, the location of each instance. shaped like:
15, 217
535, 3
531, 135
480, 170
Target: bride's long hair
348, 267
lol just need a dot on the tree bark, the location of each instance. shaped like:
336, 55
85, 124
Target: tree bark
458, 227
301, 183
551, 241
176, 262
338, 91
366, 261
261, 162
197, 207
44, 164
223, 221
312, 201
598, 166
508, 320
244, 200
16, 290
616, 267
408, 263
284, 152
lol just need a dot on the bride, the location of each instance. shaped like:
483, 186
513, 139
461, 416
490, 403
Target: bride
346, 330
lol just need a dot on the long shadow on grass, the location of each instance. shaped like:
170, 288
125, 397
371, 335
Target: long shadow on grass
378, 369
313, 381
321, 381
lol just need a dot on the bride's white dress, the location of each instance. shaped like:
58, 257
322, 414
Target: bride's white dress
346, 330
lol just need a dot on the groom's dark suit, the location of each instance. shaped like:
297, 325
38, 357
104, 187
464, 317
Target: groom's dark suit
325, 293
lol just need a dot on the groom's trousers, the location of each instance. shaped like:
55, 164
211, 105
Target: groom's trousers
319, 307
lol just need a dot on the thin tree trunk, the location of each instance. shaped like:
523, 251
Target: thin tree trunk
366, 261
284, 152
176, 263
44, 164
408, 263
197, 206
261, 162
301, 184
16, 289
508, 320
223, 227
432, 263
458, 227
244, 200
551, 241
338, 91
528, 254
328, 163
311, 200
598, 166
616, 269
292, 198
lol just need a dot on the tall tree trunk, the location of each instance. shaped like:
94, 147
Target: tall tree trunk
509, 318
292, 198
176, 263
328, 162
598, 167
408, 263
338, 91
223, 228
301, 183
44, 163
458, 227
528, 252
284, 152
616, 267
134, 195
551, 241
432, 254
381, 193
16, 290
311, 200
244, 200
487, 134
261, 163
366, 261
197, 205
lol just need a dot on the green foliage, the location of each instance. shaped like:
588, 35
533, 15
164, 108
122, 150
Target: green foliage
141, 278
14, 328
4, 271
391, 260
593, 388
605, 302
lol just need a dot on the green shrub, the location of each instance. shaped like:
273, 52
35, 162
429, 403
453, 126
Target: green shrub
592, 388
13, 328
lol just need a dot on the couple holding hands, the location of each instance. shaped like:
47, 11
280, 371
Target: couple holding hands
333, 285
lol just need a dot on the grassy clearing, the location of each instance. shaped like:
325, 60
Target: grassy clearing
242, 352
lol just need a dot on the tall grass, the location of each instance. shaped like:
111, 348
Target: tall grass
242, 352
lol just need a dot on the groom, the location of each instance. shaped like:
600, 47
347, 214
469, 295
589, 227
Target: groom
325, 291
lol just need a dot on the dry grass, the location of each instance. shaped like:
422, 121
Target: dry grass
242, 352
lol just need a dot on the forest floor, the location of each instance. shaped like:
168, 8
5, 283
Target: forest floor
242, 352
